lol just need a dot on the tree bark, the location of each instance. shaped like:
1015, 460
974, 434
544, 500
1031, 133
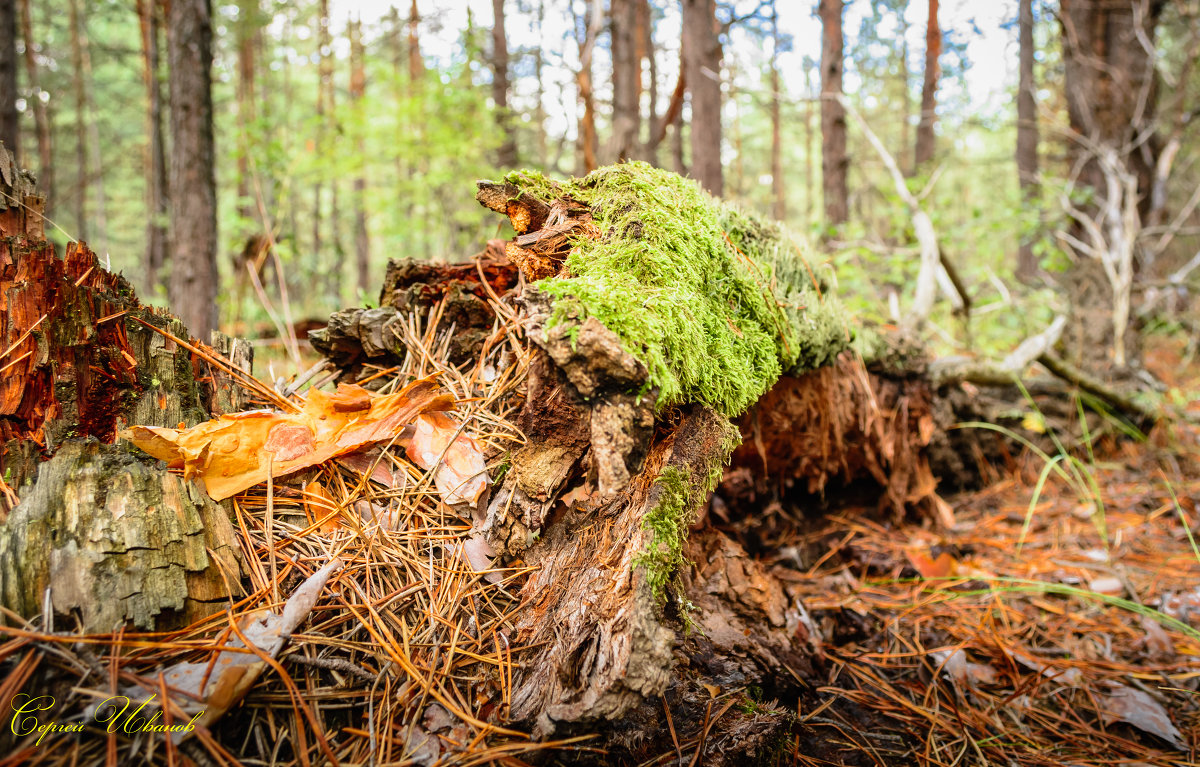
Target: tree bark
933, 70
778, 187
1027, 135
194, 277
41, 113
588, 142
9, 124
358, 81
506, 154
1112, 93
86, 359
626, 80
834, 162
702, 62
246, 36
324, 74
81, 141
157, 203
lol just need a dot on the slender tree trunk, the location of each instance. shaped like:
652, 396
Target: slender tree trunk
646, 46
589, 145
194, 277
905, 102
416, 67
506, 155
702, 60
81, 141
833, 116
358, 82
41, 114
933, 71
626, 80
156, 162
9, 125
97, 169
810, 151
1027, 134
779, 191
674, 116
246, 32
539, 64
323, 76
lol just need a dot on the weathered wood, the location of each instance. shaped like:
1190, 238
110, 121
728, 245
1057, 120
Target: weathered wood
115, 540
110, 538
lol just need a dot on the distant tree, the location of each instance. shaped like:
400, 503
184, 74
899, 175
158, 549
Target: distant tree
8, 76
593, 23
157, 204
1027, 132
933, 51
358, 82
778, 189
702, 64
82, 153
506, 155
626, 80
834, 163
1111, 89
41, 114
193, 227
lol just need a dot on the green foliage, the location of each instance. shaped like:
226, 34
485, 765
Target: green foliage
715, 302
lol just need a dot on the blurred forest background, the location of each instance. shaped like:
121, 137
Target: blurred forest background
1034, 141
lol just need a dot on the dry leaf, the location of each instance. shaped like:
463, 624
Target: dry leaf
1141, 710
944, 566
461, 476
230, 453
965, 673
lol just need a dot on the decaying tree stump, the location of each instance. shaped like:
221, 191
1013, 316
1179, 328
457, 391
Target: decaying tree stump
109, 538
635, 601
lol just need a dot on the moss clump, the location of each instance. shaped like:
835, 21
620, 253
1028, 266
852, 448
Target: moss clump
715, 302
668, 522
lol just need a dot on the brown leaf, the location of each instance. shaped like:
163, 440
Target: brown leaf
1141, 710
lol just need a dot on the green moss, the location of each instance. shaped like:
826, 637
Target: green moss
668, 522
715, 302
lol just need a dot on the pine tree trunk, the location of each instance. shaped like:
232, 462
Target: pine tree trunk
156, 162
81, 142
9, 123
626, 81
506, 154
778, 187
834, 163
933, 70
41, 113
702, 60
588, 141
1027, 135
193, 230
358, 81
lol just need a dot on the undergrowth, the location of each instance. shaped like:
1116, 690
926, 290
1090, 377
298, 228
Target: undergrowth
715, 302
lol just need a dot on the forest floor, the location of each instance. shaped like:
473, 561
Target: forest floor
1054, 624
